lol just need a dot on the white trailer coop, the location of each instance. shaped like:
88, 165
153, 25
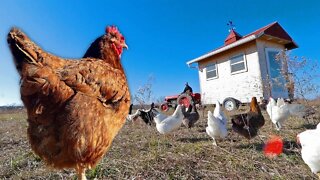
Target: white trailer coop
245, 66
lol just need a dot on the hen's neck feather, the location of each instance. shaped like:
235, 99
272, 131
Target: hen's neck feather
254, 107
104, 51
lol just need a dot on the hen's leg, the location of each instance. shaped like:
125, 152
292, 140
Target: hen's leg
81, 172
278, 126
260, 139
214, 142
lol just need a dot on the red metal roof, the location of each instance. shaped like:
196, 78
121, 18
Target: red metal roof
261, 29
234, 39
274, 29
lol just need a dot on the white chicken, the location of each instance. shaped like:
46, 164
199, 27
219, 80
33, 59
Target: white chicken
217, 124
310, 151
298, 110
278, 112
166, 124
133, 117
145, 115
130, 116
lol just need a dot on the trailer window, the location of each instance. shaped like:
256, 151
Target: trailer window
238, 64
211, 71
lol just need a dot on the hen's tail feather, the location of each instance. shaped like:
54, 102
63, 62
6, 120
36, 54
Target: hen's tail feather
23, 49
36, 69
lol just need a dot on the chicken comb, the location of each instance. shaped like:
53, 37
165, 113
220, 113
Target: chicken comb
112, 30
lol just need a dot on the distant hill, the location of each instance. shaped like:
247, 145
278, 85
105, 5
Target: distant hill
11, 109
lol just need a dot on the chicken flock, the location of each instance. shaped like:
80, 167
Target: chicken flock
76, 107
245, 124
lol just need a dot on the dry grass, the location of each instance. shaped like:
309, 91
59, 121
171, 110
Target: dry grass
140, 152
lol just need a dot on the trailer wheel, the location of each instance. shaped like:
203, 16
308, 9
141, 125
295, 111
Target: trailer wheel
184, 99
230, 104
164, 107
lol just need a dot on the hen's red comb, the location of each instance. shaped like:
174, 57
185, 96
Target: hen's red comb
273, 147
112, 30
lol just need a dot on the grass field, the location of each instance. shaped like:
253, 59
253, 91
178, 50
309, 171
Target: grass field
140, 152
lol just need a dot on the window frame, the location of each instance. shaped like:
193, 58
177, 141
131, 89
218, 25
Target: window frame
216, 69
244, 61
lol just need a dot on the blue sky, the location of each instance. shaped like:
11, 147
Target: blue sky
162, 35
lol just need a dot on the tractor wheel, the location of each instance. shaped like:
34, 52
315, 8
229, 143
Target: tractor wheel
184, 99
164, 107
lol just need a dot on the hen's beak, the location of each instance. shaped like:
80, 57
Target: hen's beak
124, 45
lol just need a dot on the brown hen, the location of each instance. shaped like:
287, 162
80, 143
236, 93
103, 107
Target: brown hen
75, 107
248, 124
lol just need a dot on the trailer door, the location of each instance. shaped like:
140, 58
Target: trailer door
277, 80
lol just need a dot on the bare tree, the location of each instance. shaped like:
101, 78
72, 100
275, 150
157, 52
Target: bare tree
144, 93
159, 99
300, 74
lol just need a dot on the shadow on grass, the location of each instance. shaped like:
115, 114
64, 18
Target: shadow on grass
202, 130
307, 126
255, 146
291, 147
193, 139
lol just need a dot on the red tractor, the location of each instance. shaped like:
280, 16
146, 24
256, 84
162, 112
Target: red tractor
185, 99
